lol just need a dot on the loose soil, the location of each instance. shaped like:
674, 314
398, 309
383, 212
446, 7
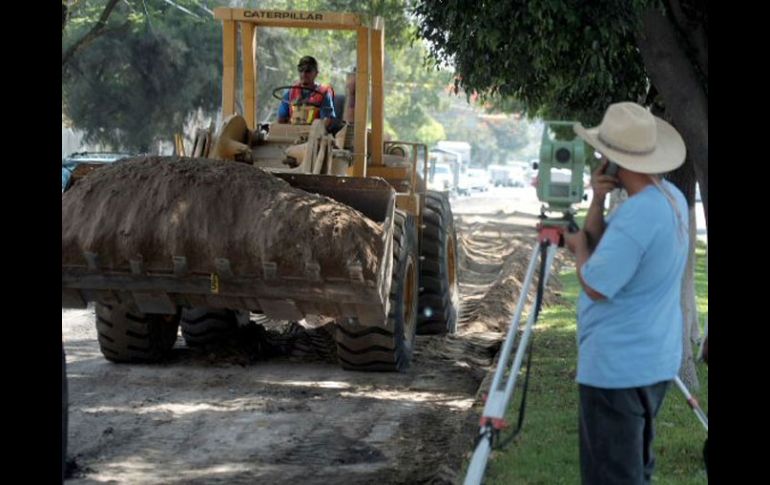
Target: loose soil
170, 206
270, 405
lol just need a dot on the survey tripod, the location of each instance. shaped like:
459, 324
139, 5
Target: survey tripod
560, 167
549, 238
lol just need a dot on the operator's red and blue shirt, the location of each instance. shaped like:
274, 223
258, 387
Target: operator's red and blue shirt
298, 92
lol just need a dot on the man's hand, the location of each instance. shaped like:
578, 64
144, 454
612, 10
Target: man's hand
603, 184
576, 242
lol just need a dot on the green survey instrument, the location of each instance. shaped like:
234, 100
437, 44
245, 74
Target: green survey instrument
560, 168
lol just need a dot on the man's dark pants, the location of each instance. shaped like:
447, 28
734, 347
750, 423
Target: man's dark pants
616, 432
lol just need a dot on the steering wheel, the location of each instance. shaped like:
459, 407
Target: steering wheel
299, 102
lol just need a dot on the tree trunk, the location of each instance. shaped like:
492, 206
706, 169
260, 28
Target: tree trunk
676, 79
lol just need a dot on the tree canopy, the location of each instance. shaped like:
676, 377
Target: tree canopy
557, 58
569, 59
140, 78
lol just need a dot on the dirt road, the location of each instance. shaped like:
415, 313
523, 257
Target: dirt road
245, 417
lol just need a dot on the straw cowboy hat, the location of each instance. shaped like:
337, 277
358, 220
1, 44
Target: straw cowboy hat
632, 137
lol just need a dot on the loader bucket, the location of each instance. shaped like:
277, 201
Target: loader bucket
342, 293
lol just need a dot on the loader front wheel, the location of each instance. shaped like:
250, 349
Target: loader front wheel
439, 296
202, 326
387, 347
127, 335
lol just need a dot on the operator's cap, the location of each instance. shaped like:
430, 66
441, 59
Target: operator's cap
308, 62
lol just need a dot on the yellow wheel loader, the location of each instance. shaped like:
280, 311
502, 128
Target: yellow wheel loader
139, 306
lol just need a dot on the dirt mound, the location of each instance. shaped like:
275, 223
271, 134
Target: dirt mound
155, 208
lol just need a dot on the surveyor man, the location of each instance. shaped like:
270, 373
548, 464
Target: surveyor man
318, 98
630, 269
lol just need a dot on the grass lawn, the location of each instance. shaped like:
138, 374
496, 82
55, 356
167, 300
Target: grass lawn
546, 451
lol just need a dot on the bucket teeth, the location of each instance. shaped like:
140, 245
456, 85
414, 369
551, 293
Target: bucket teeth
313, 271
356, 272
180, 265
202, 263
137, 266
223, 267
92, 259
270, 270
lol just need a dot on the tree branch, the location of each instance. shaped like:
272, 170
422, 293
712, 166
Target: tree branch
98, 29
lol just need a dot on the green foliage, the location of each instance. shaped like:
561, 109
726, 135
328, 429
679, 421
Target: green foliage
430, 132
399, 30
412, 94
558, 59
133, 86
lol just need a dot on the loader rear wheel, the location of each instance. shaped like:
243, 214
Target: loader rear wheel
127, 335
439, 296
387, 347
202, 326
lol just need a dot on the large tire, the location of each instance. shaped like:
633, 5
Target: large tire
439, 295
64, 413
202, 326
387, 347
126, 335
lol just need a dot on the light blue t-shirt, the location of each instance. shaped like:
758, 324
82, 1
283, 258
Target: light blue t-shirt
634, 337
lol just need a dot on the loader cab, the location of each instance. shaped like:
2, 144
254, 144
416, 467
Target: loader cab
358, 149
367, 81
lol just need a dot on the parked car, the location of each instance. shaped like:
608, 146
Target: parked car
519, 176
501, 176
78, 165
442, 178
473, 180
